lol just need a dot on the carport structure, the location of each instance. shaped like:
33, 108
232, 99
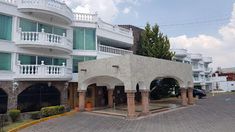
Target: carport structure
130, 70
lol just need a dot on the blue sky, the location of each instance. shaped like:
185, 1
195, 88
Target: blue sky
171, 12
200, 26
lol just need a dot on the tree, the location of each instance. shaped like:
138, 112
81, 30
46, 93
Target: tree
153, 43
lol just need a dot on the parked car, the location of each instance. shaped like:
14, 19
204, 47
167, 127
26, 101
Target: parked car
196, 93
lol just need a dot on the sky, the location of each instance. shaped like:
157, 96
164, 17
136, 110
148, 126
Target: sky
201, 26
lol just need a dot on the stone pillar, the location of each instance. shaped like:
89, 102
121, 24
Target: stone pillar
75, 97
131, 104
64, 95
190, 96
183, 96
145, 102
71, 99
82, 96
12, 96
110, 98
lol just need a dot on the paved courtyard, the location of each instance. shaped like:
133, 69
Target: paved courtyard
214, 114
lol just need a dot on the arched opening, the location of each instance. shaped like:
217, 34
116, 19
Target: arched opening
163, 88
96, 96
3, 101
37, 96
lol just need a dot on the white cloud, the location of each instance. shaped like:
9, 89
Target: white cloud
107, 9
221, 49
126, 10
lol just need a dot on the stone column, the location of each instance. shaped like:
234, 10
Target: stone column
82, 96
131, 104
12, 96
110, 98
145, 102
75, 97
64, 95
190, 96
183, 96
71, 99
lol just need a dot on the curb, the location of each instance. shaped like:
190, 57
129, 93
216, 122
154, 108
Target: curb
40, 120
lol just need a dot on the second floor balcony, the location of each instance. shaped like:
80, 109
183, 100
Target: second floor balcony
43, 72
53, 8
44, 40
113, 50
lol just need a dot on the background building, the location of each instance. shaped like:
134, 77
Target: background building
224, 79
41, 44
200, 65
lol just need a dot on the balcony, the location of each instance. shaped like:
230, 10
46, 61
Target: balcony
47, 7
180, 52
196, 56
44, 40
43, 72
113, 50
207, 59
197, 68
208, 70
109, 32
85, 17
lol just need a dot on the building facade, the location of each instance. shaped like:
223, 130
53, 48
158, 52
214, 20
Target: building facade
202, 72
41, 43
224, 80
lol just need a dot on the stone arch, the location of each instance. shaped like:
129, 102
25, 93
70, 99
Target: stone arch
108, 81
182, 83
38, 95
3, 101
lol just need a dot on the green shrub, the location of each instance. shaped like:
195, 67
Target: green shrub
35, 115
14, 114
52, 110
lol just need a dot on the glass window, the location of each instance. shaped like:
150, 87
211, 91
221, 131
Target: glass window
47, 28
78, 38
59, 31
5, 27
27, 25
59, 61
77, 59
5, 61
27, 60
90, 39
47, 60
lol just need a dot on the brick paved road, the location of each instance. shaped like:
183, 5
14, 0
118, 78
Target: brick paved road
215, 114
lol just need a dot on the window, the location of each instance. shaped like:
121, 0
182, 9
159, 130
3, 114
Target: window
28, 25
5, 27
84, 39
5, 61
59, 61
27, 60
77, 59
47, 28
36, 60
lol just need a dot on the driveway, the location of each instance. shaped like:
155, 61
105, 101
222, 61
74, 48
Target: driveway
214, 114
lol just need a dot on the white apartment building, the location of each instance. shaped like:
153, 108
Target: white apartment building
41, 43
202, 72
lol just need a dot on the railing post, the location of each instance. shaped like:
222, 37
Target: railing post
18, 65
42, 68
63, 70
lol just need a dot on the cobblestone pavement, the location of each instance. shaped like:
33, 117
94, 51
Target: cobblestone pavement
214, 114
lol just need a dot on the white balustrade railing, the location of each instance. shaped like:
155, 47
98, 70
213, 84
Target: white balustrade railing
43, 38
9, 1
49, 5
113, 50
115, 28
85, 17
43, 71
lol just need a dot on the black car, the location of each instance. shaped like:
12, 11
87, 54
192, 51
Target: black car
196, 93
